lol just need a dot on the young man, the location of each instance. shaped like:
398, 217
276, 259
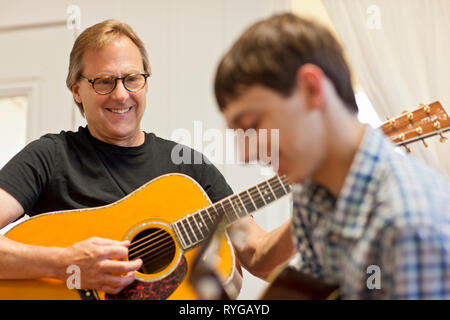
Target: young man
100, 164
360, 208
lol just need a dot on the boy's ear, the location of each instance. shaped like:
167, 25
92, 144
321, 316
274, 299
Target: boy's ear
310, 83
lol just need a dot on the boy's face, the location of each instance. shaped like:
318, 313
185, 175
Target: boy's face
299, 118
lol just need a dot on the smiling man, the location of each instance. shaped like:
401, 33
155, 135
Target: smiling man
358, 204
111, 91
98, 165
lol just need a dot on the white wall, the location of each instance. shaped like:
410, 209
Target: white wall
13, 111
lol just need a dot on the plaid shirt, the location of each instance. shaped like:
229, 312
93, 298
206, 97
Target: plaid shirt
387, 236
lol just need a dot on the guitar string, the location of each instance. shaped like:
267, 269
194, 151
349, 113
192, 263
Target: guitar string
166, 238
148, 247
157, 235
163, 250
196, 233
170, 243
160, 255
245, 202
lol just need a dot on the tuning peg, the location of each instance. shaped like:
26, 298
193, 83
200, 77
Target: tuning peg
407, 149
392, 123
419, 132
443, 139
426, 108
437, 124
409, 115
424, 143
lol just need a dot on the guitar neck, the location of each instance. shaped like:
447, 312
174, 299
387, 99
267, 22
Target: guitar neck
194, 228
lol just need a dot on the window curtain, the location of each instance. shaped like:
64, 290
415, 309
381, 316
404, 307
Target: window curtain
400, 52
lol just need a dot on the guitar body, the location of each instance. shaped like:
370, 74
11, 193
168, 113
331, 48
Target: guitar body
143, 217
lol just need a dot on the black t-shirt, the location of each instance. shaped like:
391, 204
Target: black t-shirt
73, 170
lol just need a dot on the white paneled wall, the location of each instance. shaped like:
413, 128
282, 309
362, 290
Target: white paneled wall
14, 119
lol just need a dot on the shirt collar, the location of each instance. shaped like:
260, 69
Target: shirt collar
357, 196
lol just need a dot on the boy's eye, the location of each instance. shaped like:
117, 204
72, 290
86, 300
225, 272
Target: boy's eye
251, 126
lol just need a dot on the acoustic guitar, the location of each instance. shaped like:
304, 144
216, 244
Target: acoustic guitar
165, 220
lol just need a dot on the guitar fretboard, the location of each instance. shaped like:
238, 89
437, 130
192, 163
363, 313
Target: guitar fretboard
196, 227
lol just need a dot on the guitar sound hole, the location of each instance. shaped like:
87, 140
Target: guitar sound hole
155, 247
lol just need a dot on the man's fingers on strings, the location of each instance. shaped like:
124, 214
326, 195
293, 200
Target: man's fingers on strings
109, 242
112, 252
121, 266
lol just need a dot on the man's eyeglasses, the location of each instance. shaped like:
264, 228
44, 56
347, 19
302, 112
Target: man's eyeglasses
132, 82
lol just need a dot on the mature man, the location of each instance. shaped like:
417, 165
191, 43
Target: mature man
361, 208
100, 164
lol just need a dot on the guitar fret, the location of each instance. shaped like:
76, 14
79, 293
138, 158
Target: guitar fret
221, 211
251, 199
257, 198
238, 206
262, 197
228, 207
213, 213
248, 204
180, 236
191, 229
202, 224
189, 233
208, 221
271, 190
286, 184
234, 209
282, 185
278, 187
193, 225
268, 196
187, 241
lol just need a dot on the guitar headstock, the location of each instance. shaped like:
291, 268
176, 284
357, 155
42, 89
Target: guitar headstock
424, 122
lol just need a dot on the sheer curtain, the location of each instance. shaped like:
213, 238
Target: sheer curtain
400, 52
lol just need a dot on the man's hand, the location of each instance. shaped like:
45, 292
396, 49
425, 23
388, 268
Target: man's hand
101, 264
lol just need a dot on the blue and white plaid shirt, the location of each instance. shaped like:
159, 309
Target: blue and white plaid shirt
387, 236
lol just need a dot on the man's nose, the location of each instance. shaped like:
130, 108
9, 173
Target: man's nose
119, 93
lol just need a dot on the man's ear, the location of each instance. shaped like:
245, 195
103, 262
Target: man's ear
76, 92
310, 83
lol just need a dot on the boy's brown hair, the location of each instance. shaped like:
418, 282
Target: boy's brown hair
270, 52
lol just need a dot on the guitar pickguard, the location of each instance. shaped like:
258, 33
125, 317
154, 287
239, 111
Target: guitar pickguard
155, 290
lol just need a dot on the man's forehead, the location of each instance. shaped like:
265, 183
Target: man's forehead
120, 55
